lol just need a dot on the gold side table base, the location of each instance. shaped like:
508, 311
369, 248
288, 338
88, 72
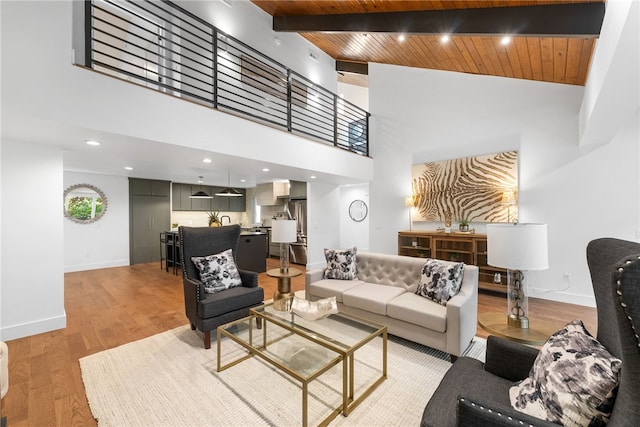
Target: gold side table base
283, 297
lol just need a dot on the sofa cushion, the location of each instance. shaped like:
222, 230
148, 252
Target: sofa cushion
440, 281
218, 272
327, 288
370, 297
341, 263
572, 381
420, 311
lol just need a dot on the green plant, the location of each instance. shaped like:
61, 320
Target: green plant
214, 217
465, 222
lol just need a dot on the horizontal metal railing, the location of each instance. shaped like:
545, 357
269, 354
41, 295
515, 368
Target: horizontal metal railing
162, 46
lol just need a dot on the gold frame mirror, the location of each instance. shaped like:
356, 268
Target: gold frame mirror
84, 203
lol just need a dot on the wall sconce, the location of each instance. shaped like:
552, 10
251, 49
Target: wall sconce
409, 203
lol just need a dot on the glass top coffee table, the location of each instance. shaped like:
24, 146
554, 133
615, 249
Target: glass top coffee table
306, 349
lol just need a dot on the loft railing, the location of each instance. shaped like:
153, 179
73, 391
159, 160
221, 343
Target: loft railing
162, 46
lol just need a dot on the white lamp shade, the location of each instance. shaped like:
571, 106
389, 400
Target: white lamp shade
283, 231
517, 246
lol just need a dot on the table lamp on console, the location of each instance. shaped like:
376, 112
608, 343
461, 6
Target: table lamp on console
283, 231
518, 248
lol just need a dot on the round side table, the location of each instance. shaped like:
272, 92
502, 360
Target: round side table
283, 296
536, 334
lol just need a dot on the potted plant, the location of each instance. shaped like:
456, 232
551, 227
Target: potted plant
214, 219
464, 224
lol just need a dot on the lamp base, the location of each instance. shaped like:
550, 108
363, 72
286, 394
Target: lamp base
521, 322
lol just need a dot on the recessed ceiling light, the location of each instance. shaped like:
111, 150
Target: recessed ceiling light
243, 180
207, 160
505, 40
277, 41
265, 169
129, 168
401, 38
312, 177
445, 39
92, 142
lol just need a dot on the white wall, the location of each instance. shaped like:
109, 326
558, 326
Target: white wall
357, 95
32, 274
104, 243
353, 233
323, 221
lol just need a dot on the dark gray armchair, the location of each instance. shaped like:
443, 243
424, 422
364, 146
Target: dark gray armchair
208, 311
477, 394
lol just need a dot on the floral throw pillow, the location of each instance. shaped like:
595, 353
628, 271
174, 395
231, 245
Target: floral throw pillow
218, 272
341, 263
572, 382
440, 281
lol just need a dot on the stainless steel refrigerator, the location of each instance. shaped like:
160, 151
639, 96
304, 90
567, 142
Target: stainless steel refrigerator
297, 209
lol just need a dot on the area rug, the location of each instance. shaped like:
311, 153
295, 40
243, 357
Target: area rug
169, 379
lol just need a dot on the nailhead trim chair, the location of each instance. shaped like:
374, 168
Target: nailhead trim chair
477, 394
208, 311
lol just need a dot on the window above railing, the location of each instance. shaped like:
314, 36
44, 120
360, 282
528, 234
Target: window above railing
166, 48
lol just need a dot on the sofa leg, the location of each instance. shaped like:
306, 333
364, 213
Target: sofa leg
453, 358
259, 322
193, 327
207, 340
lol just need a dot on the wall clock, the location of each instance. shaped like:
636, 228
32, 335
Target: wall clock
357, 131
358, 210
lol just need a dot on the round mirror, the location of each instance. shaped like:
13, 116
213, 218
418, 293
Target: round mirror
358, 210
84, 203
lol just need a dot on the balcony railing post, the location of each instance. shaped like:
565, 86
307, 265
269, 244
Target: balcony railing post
289, 103
366, 117
335, 120
215, 68
88, 56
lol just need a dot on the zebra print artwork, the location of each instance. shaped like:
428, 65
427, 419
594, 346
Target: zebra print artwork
470, 188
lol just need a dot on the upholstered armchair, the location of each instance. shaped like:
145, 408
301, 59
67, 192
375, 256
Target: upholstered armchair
207, 311
477, 394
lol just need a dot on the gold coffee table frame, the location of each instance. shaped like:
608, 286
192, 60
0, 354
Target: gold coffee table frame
314, 333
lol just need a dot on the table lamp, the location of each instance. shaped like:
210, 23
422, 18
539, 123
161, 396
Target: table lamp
409, 203
284, 231
517, 247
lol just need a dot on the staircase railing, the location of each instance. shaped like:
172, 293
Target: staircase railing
165, 47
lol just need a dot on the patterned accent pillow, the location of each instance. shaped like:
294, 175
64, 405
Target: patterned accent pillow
218, 272
572, 382
440, 281
341, 263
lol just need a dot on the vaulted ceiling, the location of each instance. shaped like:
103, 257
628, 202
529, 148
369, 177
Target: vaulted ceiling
551, 40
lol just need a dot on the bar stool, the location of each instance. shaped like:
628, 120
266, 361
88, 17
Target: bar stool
163, 249
176, 257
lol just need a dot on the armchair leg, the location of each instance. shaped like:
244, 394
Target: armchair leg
453, 358
193, 327
259, 322
207, 340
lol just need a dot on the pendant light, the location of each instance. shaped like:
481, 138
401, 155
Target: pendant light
200, 194
229, 192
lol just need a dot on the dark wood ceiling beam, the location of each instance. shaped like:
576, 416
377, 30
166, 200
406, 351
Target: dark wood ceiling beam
558, 20
352, 67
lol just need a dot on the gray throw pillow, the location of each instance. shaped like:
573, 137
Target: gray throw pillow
572, 382
440, 281
341, 263
218, 272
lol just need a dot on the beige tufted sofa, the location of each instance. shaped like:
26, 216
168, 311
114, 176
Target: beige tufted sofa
384, 292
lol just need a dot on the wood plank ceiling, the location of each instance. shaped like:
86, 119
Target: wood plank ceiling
554, 58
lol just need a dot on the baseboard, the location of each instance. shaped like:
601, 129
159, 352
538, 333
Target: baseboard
96, 265
565, 297
33, 328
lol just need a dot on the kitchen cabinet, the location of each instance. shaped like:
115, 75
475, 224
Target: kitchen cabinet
149, 187
297, 190
149, 215
252, 248
182, 201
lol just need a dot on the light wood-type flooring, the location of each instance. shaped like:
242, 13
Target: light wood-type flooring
110, 307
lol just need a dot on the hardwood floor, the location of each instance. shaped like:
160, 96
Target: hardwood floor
110, 307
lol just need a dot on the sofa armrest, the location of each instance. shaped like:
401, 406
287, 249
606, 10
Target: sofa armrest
462, 313
249, 278
509, 360
310, 277
479, 413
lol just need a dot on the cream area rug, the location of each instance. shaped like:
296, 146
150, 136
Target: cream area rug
169, 379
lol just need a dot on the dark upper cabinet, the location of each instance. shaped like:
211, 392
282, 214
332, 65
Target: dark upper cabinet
297, 190
182, 202
149, 187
